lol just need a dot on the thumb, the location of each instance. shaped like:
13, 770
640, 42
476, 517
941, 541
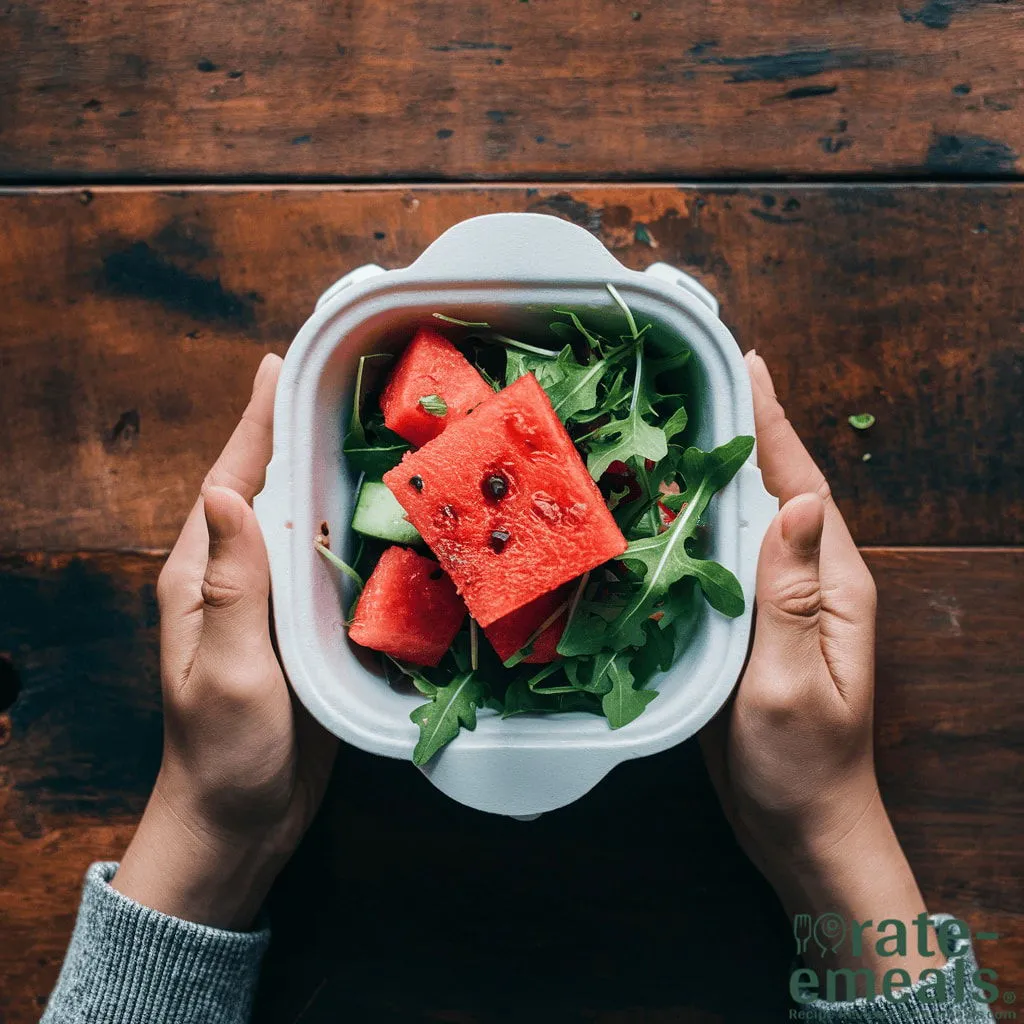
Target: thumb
236, 584
788, 584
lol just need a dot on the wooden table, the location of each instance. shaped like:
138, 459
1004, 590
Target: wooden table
184, 180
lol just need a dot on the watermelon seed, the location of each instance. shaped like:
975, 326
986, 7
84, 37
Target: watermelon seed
448, 512
325, 530
417, 482
496, 486
499, 538
436, 574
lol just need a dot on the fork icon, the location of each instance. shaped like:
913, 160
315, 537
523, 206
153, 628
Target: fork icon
802, 932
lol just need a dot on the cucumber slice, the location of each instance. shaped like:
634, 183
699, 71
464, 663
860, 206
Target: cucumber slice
378, 514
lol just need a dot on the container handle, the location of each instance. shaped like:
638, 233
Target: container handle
362, 273
673, 275
515, 247
518, 782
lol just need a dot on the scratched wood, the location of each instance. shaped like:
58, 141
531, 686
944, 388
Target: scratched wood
635, 899
429, 90
133, 320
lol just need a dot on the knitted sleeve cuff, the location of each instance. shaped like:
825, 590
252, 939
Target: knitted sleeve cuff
128, 964
952, 997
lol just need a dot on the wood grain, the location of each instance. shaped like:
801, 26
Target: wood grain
635, 899
134, 320
428, 90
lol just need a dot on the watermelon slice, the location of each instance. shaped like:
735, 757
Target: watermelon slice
504, 500
408, 609
430, 368
511, 632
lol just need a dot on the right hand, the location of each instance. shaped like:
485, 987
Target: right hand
792, 756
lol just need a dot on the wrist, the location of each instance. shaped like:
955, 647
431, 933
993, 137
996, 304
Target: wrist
862, 876
174, 866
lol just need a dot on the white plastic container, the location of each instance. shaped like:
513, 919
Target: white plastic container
510, 270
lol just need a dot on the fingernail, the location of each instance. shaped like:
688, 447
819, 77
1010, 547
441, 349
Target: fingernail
763, 379
803, 520
261, 373
225, 513
750, 357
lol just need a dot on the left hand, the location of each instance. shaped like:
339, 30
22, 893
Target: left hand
244, 766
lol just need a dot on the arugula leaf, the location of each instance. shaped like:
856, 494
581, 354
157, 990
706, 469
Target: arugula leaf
519, 364
460, 323
622, 704
631, 436
434, 404
586, 633
664, 557
375, 458
593, 340
590, 674
439, 720
340, 564
521, 700
576, 389
416, 676
624, 439
371, 448
534, 682
656, 655
676, 423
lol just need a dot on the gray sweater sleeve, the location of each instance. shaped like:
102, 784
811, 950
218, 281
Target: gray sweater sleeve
128, 964
915, 1005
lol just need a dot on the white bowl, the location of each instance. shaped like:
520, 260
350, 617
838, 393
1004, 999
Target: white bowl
510, 270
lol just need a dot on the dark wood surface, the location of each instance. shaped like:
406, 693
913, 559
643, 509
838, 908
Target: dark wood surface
426, 89
134, 317
397, 869
131, 319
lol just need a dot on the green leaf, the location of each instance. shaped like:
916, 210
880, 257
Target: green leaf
520, 700
575, 390
862, 421
623, 704
664, 557
452, 707
623, 439
720, 586
418, 679
373, 459
435, 405
656, 655
631, 436
339, 564
460, 323
355, 423
676, 423
614, 392
627, 312
593, 340
590, 674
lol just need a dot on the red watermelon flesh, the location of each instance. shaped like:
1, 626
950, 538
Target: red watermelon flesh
511, 632
408, 609
430, 365
505, 502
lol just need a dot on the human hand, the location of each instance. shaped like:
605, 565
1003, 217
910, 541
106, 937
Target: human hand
244, 766
792, 756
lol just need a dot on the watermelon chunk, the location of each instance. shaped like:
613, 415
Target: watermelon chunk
408, 608
431, 365
504, 500
511, 631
